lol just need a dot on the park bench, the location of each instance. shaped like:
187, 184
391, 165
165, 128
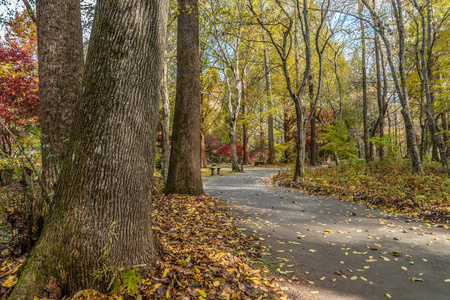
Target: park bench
213, 168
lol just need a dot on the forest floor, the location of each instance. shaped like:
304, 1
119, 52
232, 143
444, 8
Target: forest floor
338, 249
206, 257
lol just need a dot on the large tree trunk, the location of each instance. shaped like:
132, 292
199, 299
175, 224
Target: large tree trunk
101, 215
364, 86
60, 56
184, 168
165, 128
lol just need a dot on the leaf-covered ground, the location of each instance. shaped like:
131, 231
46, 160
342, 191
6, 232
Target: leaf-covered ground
206, 257
387, 185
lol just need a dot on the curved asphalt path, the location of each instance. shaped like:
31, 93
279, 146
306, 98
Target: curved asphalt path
345, 251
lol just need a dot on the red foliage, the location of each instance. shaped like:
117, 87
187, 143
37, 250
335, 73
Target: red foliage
19, 97
225, 151
19, 100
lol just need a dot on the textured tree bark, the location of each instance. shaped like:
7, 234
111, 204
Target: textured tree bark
165, 128
100, 220
364, 85
184, 168
60, 56
269, 93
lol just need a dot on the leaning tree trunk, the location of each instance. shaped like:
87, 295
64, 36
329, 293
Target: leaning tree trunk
101, 215
184, 168
60, 57
165, 128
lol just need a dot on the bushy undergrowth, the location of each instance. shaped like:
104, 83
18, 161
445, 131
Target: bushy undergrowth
389, 184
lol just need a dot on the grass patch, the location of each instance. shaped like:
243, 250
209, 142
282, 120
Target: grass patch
389, 185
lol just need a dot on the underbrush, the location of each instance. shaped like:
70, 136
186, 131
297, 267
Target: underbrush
388, 185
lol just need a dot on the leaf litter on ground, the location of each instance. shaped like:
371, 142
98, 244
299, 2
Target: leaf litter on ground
205, 257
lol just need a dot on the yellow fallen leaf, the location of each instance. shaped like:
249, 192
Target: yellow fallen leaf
388, 295
363, 278
314, 292
280, 251
404, 268
216, 283
188, 259
323, 278
354, 278
202, 293
447, 280
166, 271
312, 250
168, 294
10, 282
310, 282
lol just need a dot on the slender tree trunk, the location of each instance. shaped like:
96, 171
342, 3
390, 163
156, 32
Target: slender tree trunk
245, 144
203, 162
184, 175
400, 85
427, 72
287, 136
234, 156
101, 215
60, 56
165, 128
364, 86
301, 141
312, 148
445, 128
269, 93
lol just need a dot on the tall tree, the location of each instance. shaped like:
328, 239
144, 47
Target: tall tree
60, 55
400, 84
100, 221
165, 123
427, 62
364, 84
245, 134
184, 175
268, 91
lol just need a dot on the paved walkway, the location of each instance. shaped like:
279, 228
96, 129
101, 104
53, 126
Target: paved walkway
339, 250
